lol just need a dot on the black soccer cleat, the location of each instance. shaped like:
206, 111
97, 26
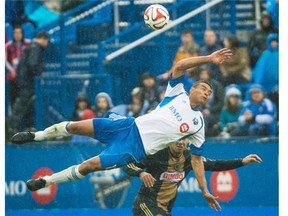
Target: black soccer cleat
23, 137
35, 184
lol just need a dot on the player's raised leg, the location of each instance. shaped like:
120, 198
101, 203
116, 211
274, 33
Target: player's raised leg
64, 129
70, 174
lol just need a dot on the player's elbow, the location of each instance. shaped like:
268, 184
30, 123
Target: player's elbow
196, 160
178, 69
179, 66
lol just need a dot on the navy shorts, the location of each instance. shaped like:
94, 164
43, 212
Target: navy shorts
124, 144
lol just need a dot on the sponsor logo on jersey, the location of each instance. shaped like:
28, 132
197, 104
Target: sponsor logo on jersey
172, 176
195, 121
184, 127
175, 113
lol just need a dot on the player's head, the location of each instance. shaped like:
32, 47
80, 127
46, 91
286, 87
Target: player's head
18, 33
200, 93
178, 148
42, 38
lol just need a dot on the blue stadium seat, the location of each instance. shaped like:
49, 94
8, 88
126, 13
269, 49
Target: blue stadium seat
29, 30
9, 31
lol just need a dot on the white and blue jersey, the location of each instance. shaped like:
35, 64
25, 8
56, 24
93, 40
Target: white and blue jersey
130, 140
172, 120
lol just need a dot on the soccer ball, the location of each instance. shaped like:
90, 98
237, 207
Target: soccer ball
156, 16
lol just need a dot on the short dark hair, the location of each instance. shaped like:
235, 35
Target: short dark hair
17, 26
202, 81
187, 31
43, 35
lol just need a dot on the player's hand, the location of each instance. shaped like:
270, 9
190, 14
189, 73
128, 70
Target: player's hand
212, 201
252, 158
164, 76
219, 56
147, 179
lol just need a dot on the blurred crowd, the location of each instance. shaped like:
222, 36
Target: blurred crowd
245, 94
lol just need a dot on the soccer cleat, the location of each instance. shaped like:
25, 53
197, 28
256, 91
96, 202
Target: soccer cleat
23, 137
36, 184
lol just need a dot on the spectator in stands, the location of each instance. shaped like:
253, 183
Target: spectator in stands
14, 50
150, 91
231, 111
188, 48
30, 66
266, 70
272, 7
257, 40
103, 103
235, 70
82, 103
211, 111
258, 116
137, 106
211, 45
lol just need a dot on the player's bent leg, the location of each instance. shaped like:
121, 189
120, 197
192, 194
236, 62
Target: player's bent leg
70, 174
90, 165
53, 131
84, 128
63, 129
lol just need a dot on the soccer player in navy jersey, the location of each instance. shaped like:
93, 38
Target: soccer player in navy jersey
132, 139
163, 172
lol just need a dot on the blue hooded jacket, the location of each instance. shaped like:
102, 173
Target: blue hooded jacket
266, 70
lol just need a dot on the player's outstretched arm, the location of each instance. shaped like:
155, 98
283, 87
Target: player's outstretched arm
217, 57
221, 165
251, 158
198, 167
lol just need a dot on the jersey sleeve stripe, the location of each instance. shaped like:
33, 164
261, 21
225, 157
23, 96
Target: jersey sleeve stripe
166, 100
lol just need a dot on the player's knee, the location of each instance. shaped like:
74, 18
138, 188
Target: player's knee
73, 127
81, 128
90, 165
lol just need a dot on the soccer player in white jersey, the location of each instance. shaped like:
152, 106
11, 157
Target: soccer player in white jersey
130, 140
